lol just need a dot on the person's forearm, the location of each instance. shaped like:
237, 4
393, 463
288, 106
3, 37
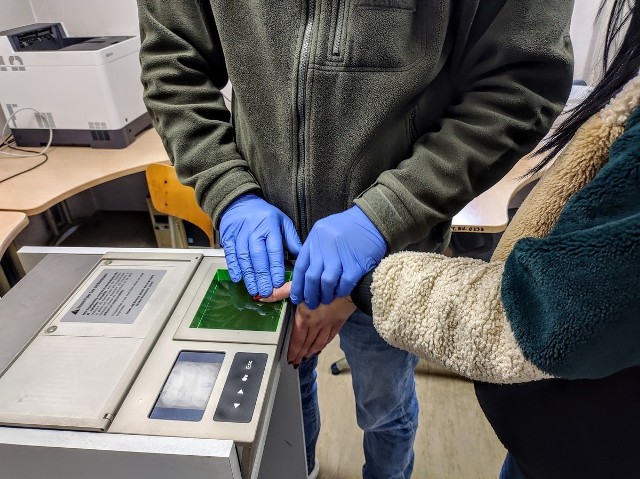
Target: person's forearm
182, 72
449, 310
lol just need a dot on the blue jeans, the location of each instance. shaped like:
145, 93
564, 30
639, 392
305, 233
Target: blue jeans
510, 469
386, 402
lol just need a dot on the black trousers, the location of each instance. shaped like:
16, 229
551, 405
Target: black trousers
569, 428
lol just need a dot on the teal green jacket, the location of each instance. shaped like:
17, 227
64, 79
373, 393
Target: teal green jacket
407, 108
573, 298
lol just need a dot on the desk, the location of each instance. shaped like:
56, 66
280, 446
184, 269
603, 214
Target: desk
71, 170
11, 224
489, 212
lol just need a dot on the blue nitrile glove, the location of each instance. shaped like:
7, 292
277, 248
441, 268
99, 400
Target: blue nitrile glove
252, 233
340, 250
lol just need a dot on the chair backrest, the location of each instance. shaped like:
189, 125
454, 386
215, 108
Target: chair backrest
171, 197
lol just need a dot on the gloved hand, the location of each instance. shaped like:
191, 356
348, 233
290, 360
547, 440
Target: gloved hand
340, 249
251, 234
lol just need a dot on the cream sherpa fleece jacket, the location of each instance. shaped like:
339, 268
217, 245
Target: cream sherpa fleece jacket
451, 311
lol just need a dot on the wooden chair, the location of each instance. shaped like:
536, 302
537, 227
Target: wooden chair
176, 200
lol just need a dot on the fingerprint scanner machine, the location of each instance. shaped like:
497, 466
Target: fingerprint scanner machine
150, 362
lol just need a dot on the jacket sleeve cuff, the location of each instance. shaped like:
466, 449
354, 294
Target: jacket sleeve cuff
389, 215
361, 294
235, 183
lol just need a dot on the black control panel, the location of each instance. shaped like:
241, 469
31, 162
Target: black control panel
240, 392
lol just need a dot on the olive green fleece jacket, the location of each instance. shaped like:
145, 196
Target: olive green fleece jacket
407, 108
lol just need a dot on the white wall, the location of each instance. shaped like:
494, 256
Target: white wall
15, 13
582, 29
586, 36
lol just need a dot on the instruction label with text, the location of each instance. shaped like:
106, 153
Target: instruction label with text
115, 296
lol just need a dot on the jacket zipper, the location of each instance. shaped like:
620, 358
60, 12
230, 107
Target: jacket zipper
413, 132
337, 36
234, 123
303, 67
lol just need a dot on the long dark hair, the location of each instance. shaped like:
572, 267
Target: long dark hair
617, 72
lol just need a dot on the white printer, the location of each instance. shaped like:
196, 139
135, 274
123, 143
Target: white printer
87, 90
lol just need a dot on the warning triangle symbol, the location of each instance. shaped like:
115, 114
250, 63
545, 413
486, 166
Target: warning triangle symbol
75, 311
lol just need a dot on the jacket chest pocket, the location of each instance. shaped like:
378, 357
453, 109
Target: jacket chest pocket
377, 34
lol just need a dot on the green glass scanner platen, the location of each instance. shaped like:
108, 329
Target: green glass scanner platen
228, 305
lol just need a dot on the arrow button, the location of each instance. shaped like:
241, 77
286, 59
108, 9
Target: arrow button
236, 404
241, 392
